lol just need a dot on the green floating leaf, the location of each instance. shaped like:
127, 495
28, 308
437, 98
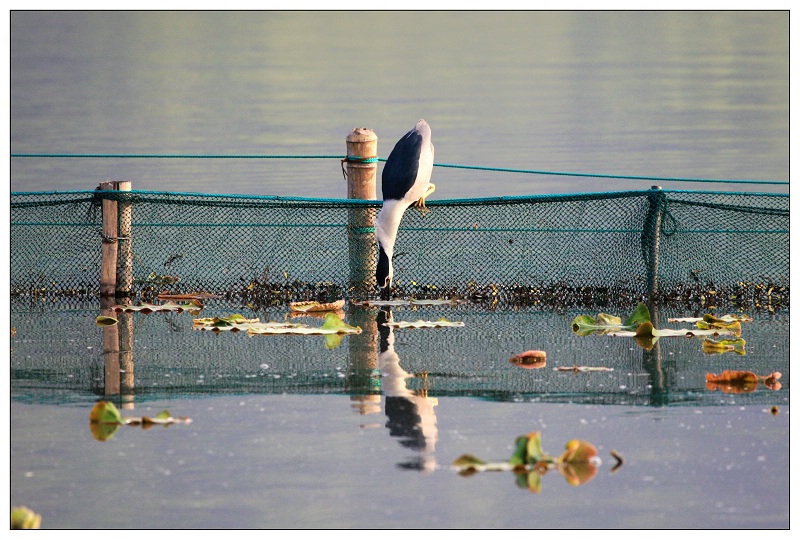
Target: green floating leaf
584, 325
424, 324
534, 448
103, 320
734, 327
105, 419
104, 412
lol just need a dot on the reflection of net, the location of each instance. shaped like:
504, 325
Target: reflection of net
170, 359
555, 250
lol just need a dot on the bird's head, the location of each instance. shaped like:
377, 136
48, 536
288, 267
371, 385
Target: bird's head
384, 270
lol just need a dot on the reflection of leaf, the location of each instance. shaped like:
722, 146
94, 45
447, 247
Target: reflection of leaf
577, 474
103, 320
424, 324
103, 432
713, 346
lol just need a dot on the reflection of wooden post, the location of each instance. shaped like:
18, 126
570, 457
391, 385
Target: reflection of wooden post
364, 383
110, 351
362, 166
125, 250
108, 265
126, 388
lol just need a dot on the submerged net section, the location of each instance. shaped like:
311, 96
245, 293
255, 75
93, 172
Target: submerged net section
612, 248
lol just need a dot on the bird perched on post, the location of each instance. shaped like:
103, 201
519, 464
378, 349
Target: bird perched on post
406, 180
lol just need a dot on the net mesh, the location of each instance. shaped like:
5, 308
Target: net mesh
611, 248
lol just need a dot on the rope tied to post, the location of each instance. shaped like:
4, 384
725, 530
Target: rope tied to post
356, 159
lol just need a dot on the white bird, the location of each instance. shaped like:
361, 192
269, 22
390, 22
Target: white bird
406, 180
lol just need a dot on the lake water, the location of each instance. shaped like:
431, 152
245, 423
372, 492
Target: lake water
671, 94
288, 433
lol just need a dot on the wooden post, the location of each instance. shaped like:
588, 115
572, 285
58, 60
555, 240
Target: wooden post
362, 166
362, 144
124, 284
108, 265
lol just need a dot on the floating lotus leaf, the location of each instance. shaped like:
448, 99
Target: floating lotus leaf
332, 325
734, 327
713, 346
233, 322
578, 464
23, 517
105, 419
582, 369
646, 330
530, 359
584, 325
193, 307
411, 302
741, 382
578, 452
316, 306
103, 320
711, 318
424, 324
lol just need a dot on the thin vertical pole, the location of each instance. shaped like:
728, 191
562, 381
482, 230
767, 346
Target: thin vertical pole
108, 265
651, 238
362, 166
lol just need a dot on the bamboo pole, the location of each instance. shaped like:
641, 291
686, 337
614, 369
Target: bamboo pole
362, 166
108, 265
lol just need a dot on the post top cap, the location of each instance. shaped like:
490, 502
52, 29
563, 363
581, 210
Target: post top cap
361, 134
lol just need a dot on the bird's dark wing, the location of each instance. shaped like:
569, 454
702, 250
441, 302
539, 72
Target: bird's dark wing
402, 165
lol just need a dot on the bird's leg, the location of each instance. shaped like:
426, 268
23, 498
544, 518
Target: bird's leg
421, 202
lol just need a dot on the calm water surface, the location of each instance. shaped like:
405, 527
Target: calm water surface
702, 95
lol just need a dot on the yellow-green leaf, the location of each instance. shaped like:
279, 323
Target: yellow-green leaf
103, 320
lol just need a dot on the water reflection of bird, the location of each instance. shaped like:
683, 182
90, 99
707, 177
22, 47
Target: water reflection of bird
406, 180
410, 415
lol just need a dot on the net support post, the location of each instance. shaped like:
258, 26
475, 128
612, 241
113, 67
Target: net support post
361, 173
651, 238
109, 247
124, 284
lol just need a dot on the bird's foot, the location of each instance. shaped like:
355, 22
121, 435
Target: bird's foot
420, 204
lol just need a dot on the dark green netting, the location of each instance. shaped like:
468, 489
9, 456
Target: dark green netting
577, 249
